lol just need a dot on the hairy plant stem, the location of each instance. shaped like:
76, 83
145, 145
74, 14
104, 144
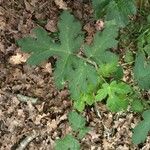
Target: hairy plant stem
88, 61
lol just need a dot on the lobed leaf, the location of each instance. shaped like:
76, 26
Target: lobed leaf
117, 95
40, 45
69, 67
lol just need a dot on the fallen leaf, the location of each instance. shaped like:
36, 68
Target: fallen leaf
18, 59
28, 6
51, 26
99, 25
61, 4
23, 98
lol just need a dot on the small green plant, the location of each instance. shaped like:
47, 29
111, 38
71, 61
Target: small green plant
69, 142
116, 93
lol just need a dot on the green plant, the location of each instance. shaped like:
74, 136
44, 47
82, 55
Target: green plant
70, 66
142, 61
116, 93
69, 142
136, 105
84, 74
92, 72
80, 72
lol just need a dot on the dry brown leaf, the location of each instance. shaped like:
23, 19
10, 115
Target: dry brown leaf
38, 119
51, 26
107, 145
99, 25
47, 68
2, 48
18, 59
52, 125
61, 4
29, 7
2, 23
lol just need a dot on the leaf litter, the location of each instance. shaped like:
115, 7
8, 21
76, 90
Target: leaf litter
48, 116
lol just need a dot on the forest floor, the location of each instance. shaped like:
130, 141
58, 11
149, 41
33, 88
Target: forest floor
31, 108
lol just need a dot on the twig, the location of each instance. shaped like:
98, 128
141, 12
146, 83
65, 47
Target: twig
98, 114
23, 144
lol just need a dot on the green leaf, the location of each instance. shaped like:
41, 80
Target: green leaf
117, 103
118, 74
98, 50
142, 61
79, 105
106, 70
41, 46
76, 121
119, 88
142, 71
117, 95
70, 37
148, 18
84, 77
83, 132
70, 68
67, 143
101, 94
84, 99
137, 106
118, 10
128, 57
99, 7
141, 130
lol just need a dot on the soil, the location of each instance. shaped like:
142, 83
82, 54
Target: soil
33, 113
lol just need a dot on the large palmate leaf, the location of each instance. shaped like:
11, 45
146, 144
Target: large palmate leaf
42, 47
141, 130
118, 10
69, 67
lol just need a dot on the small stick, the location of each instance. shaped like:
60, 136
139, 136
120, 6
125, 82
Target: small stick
23, 144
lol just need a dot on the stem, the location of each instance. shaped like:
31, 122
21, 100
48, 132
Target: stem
88, 61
